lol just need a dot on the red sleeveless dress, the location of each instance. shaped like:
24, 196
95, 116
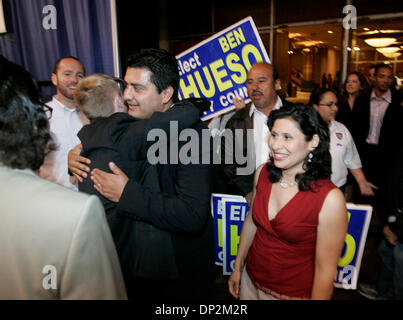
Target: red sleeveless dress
281, 258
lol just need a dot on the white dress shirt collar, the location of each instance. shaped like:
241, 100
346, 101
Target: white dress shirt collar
277, 106
387, 96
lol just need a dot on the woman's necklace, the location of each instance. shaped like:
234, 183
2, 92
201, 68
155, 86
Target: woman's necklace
284, 184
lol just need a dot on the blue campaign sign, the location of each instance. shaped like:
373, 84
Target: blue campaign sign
234, 215
217, 68
217, 209
350, 262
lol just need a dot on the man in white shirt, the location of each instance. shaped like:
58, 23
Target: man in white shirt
65, 122
344, 153
261, 88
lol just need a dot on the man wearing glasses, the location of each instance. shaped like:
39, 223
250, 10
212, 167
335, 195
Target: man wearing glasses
65, 120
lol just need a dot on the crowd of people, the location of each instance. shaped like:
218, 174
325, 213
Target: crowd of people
145, 232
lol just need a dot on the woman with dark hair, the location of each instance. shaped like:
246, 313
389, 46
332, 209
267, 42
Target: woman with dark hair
23, 120
355, 85
342, 147
292, 238
54, 243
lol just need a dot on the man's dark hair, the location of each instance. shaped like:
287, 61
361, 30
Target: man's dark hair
57, 63
24, 128
276, 75
382, 65
163, 67
310, 123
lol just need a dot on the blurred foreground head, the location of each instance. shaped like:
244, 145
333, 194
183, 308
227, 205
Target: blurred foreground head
24, 132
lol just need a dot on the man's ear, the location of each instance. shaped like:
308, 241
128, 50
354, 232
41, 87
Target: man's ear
118, 104
53, 77
167, 94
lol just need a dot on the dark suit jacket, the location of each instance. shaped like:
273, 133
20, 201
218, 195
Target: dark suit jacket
240, 184
144, 250
391, 126
376, 160
183, 209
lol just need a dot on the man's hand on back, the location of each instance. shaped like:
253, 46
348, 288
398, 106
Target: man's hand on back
76, 163
110, 185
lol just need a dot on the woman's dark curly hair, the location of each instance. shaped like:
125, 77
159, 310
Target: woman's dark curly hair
24, 128
310, 123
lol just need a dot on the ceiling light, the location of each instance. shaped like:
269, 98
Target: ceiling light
366, 29
329, 31
356, 48
387, 50
309, 43
379, 42
348, 49
392, 55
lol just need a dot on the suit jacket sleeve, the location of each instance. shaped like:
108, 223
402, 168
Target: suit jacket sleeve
184, 114
183, 207
92, 270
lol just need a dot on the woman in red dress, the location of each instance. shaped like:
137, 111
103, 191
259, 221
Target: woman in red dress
294, 235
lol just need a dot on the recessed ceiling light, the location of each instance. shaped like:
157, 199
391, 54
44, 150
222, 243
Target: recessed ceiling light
329, 31
380, 42
366, 29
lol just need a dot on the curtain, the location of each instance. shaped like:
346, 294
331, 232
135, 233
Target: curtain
41, 31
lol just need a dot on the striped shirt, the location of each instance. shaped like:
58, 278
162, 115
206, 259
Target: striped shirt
378, 109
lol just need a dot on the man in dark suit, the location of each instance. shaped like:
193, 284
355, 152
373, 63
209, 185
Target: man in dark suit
182, 207
115, 136
376, 128
261, 87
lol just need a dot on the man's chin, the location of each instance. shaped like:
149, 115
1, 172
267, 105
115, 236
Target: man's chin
135, 113
132, 113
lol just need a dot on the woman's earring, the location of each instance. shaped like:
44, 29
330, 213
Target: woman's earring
310, 156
